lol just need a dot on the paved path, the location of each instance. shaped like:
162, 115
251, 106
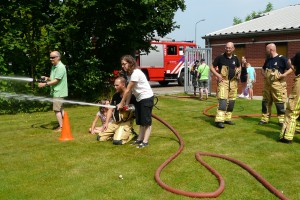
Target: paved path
173, 88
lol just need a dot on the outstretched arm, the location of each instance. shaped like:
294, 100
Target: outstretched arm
94, 124
126, 94
108, 118
53, 82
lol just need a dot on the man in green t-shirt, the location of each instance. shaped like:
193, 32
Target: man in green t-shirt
203, 71
58, 84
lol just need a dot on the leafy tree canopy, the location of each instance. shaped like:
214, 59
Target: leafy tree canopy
253, 15
91, 35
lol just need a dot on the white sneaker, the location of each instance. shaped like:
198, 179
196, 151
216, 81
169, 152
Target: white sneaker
241, 96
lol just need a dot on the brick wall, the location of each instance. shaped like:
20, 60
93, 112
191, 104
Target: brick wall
258, 86
255, 53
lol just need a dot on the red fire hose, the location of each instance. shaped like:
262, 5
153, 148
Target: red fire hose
198, 155
205, 112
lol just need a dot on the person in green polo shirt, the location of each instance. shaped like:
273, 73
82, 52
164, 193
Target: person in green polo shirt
203, 73
58, 84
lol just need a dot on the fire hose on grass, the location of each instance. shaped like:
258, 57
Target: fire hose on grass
205, 112
198, 156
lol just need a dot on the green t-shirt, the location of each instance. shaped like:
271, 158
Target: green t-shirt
204, 70
61, 88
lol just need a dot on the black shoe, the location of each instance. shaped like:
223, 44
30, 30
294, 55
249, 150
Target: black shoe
219, 124
283, 140
136, 142
229, 122
142, 145
262, 122
98, 137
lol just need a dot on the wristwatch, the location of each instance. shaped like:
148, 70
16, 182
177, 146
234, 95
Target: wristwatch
46, 84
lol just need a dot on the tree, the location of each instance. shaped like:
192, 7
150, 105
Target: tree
253, 15
91, 34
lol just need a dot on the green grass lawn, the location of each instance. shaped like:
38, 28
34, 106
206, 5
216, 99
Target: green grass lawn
34, 164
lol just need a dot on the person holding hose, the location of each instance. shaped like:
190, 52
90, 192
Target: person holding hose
58, 84
139, 86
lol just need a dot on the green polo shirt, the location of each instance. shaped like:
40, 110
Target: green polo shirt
61, 88
204, 70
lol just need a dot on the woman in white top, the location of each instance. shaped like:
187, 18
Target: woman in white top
139, 86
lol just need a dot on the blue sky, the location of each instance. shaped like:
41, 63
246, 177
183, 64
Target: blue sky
218, 14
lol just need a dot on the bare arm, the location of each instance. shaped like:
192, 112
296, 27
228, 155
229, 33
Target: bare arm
213, 70
128, 98
291, 65
53, 82
94, 124
287, 72
126, 94
108, 118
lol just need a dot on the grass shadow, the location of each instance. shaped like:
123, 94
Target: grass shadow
274, 135
50, 126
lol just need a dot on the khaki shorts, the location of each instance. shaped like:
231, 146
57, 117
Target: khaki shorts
58, 103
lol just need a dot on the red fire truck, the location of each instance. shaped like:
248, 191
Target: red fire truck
165, 63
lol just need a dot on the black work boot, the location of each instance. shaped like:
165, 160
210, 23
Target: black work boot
219, 124
229, 122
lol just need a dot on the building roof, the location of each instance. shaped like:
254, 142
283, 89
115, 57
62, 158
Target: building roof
284, 19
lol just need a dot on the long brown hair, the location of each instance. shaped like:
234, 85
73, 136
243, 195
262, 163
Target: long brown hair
131, 62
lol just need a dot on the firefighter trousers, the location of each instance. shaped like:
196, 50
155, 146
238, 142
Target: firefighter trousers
120, 132
274, 92
292, 112
227, 92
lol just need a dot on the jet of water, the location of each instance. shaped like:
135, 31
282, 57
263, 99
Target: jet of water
42, 99
17, 78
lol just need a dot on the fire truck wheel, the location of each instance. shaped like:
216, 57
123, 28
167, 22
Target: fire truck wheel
181, 79
163, 83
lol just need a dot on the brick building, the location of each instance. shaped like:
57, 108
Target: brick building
281, 27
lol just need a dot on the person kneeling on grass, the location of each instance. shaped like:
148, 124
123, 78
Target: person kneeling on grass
121, 129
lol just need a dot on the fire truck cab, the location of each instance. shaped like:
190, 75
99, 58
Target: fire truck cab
165, 63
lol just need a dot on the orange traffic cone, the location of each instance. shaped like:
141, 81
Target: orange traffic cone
66, 129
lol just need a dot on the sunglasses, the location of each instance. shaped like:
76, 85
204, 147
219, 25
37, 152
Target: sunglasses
53, 57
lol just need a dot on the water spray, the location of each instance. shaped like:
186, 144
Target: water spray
26, 79
44, 99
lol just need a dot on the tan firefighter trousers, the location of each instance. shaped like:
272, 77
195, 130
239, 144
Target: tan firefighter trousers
274, 91
292, 112
227, 92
